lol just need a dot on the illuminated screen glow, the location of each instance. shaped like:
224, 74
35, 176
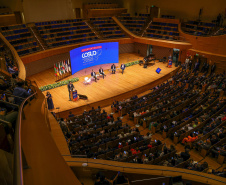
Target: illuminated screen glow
92, 55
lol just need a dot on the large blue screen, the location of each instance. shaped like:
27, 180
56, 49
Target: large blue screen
95, 54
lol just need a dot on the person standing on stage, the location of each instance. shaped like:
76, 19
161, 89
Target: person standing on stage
93, 74
49, 101
170, 61
70, 87
123, 67
101, 71
113, 68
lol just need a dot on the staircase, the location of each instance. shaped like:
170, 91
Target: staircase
6, 168
94, 29
146, 26
37, 36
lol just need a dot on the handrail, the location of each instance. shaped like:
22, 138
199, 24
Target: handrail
18, 166
149, 167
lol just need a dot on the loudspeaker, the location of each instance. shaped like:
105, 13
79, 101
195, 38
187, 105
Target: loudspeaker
158, 70
145, 66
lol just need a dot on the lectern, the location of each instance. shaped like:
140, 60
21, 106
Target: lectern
74, 95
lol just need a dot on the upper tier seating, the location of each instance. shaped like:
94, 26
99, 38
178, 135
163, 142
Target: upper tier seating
5, 10
168, 16
133, 23
21, 38
198, 28
64, 32
107, 27
162, 30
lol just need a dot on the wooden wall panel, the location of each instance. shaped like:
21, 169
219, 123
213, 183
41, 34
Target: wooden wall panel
8, 19
174, 21
48, 62
45, 63
213, 44
141, 49
65, 49
126, 48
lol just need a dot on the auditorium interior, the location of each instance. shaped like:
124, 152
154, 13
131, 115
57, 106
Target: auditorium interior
108, 92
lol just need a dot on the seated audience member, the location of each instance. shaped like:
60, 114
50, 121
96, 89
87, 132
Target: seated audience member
20, 91
120, 179
71, 115
185, 155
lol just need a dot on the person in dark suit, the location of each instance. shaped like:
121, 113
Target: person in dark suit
207, 67
113, 68
49, 101
20, 91
70, 87
185, 155
203, 67
101, 71
213, 67
93, 74
190, 64
123, 67
196, 67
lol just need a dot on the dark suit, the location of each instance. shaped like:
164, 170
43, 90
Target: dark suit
113, 69
123, 67
93, 74
213, 67
70, 88
101, 71
207, 68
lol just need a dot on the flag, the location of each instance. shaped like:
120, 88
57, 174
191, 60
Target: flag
60, 69
66, 66
69, 66
55, 70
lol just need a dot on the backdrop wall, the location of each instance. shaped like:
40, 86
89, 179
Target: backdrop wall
44, 10
184, 9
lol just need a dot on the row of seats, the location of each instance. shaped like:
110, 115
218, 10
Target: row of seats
21, 38
168, 16
163, 30
107, 23
198, 28
59, 33
57, 22
133, 23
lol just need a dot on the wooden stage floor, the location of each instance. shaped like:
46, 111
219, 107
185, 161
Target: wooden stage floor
111, 86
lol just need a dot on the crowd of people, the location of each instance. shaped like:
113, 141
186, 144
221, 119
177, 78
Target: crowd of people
184, 102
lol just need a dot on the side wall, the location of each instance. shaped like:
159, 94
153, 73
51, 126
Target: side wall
185, 9
48, 62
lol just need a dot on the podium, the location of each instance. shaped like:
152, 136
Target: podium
74, 95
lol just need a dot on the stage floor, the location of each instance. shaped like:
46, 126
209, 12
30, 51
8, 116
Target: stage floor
112, 85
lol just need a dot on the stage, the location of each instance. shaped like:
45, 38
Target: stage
135, 80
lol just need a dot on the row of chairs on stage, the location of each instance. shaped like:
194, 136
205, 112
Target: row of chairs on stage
95, 76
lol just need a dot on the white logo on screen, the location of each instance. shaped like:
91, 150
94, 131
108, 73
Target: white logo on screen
91, 55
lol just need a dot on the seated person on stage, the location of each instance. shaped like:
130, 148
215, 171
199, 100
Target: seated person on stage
123, 67
93, 74
113, 68
101, 71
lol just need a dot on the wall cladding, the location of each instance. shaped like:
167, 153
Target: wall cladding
126, 48
161, 52
44, 64
47, 63
141, 49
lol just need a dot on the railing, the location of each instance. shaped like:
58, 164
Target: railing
18, 155
124, 168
